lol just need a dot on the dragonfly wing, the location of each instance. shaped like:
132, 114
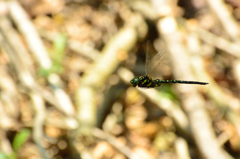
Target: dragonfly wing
155, 64
148, 58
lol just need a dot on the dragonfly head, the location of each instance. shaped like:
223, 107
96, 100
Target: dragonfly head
134, 82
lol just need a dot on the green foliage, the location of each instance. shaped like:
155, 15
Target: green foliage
59, 45
57, 55
165, 91
3, 156
44, 72
20, 139
164, 140
12, 155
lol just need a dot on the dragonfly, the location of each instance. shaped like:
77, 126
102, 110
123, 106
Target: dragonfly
147, 81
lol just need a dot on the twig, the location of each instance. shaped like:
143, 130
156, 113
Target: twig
145, 8
193, 103
6, 122
39, 117
182, 149
114, 142
9, 92
223, 100
37, 48
226, 18
236, 71
12, 45
63, 98
29, 32
5, 144
80, 48
219, 42
123, 41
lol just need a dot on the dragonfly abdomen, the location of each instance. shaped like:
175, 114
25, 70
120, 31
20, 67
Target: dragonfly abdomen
180, 81
147, 82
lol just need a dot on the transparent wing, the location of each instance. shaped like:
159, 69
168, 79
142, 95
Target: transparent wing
154, 63
148, 58
150, 55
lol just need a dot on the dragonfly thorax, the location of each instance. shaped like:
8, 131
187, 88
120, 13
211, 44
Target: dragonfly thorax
143, 81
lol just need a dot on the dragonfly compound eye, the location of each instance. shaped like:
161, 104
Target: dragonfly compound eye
134, 82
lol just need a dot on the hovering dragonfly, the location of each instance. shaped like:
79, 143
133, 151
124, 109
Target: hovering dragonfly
146, 81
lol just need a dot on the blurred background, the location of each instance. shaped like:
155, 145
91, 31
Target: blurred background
66, 66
